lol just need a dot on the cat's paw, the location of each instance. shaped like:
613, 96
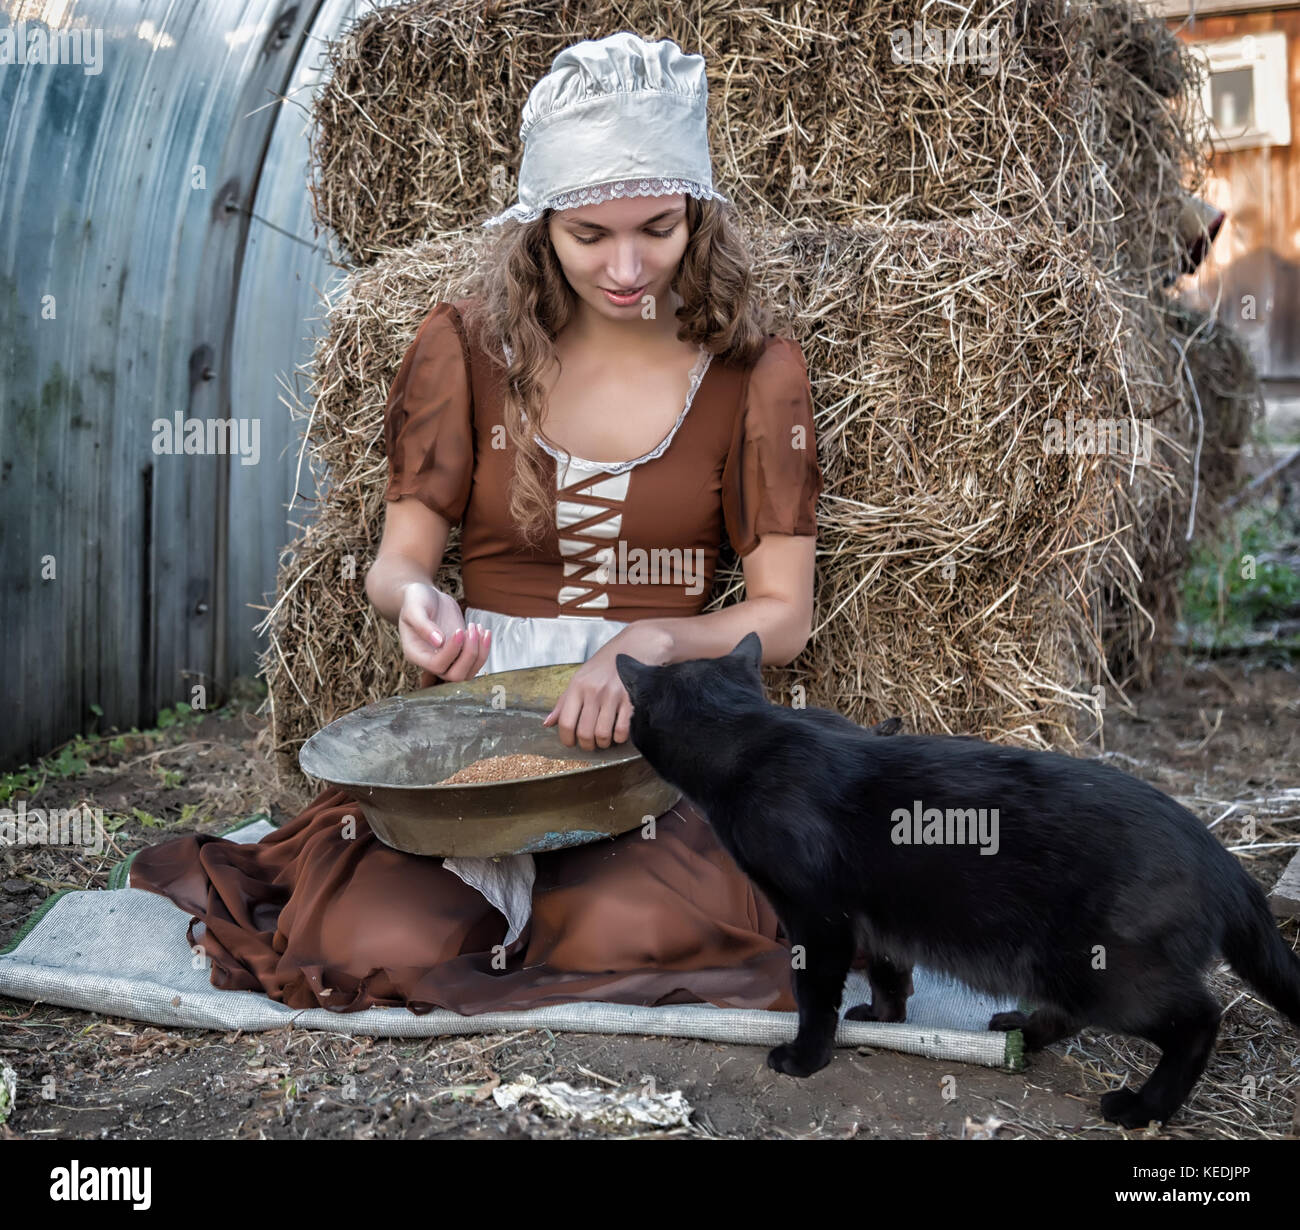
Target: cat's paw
1126, 1107
1006, 1021
890, 1013
794, 1061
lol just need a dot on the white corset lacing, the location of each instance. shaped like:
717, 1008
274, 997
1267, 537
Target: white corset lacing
518, 642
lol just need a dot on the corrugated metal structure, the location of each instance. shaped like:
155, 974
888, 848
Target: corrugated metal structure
159, 269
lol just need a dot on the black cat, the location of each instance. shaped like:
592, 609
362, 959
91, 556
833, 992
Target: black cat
1060, 880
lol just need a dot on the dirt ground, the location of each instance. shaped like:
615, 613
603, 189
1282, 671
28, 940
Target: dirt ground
1223, 737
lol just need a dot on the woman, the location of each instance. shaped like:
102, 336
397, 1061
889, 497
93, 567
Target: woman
650, 409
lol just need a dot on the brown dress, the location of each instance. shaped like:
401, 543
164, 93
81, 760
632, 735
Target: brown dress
314, 918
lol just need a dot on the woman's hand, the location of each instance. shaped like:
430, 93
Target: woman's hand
595, 707
434, 635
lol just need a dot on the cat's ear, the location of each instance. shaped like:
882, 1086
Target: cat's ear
750, 650
631, 672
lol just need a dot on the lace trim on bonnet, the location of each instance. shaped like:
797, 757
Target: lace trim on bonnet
607, 192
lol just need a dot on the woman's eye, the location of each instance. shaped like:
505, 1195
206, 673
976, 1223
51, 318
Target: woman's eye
657, 234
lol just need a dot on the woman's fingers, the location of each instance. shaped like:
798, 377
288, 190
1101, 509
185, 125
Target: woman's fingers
485, 649
602, 729
421, 621
595, 725
418, 648
435, 637
421, 638
568, 710
452, 660
592, 717
464, 654
481, 647
623, 727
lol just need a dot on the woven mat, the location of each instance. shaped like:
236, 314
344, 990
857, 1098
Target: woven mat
122, 952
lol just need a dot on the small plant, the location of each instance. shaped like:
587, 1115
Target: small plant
169, 779
188, 812
179, 715
1242, 580
73, 758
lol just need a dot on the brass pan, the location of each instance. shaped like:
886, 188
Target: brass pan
387, 755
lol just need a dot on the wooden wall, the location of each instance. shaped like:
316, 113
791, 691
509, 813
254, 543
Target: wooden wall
1255, 262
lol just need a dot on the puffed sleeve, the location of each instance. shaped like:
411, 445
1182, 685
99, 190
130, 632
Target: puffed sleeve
428, 421
771, 481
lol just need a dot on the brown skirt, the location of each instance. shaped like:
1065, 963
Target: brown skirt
316, 918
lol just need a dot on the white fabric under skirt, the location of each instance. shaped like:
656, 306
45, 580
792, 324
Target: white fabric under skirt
518, 642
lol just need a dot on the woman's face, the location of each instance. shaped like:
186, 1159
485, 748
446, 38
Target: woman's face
628, 244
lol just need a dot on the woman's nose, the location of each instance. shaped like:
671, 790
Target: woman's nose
625, 271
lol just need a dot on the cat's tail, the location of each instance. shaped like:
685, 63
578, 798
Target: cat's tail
1258, 953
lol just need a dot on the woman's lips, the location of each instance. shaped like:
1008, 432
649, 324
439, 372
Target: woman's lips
626, 299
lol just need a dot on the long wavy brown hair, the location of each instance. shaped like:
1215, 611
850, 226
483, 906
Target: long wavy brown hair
522, 297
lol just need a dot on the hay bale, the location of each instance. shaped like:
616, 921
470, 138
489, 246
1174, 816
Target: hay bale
1082, 114
1203, 401
1144, 146
1230, 400
956, 556
1146, 125
1083, 136
818, 116
328, 650
1088, 120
